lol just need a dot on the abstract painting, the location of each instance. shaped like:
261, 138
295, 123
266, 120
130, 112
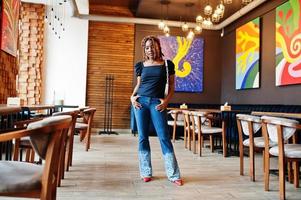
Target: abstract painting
187, 55
288, 43
248, 55
9, 29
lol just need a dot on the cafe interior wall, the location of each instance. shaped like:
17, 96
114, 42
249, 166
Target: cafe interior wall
65, 67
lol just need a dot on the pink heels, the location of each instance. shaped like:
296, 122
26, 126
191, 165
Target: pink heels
178, 182
147, 179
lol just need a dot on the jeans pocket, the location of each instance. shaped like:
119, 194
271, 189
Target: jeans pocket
138, 98
158, 101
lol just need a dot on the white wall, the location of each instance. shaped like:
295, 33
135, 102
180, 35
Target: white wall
65, 67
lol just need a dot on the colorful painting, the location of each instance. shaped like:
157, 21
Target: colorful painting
9, 29
187, 55
288, 43
248, 55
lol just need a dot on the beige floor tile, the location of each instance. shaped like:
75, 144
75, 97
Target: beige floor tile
110, 171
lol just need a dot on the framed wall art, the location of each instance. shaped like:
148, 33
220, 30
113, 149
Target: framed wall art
187, 55
248, 55
10, 26
288, 43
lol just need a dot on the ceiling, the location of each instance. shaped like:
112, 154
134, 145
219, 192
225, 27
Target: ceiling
178, 10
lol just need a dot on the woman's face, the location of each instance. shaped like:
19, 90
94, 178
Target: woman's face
150, 49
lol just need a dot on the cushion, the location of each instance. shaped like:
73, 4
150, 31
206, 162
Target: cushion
258, 142
81, 126
211, 130
290, 150
40, 142
256, 122
179, 123
272, 128
207, 129
19, 176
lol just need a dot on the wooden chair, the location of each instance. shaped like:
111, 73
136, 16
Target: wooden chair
187, 129
178, 120
67, 147
249, 125
202, 125
85, 128
279, 130
21, 144
22, 179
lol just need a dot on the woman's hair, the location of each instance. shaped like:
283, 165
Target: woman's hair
155, 41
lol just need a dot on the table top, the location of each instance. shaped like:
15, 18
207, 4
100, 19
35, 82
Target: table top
279, 114
38, 107
195, 109
7, 109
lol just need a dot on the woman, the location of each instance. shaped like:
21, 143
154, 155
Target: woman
150, 104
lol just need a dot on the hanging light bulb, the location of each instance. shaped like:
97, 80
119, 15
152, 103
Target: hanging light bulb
198, 29
215, 17
166, 29
208, 10
207, 23
190, 35
167, 34
219, 12
199, 19
221, 7
161, 25
185, 27
227, 1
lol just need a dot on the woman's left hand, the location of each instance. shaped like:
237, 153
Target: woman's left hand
162, 106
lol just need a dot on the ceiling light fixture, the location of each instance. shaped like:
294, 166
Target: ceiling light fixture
55, 16
227, 1
208, 9
190, 35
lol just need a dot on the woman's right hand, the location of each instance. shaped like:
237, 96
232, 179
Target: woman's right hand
135, 103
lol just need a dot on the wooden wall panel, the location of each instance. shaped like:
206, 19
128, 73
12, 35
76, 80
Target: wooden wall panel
8, 73
31, 39
110, 51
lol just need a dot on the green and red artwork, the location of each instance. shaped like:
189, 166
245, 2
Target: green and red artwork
248, 55
9, 29
288, 43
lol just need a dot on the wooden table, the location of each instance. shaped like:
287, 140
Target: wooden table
29, 108
6, 109
279, 114
8, 116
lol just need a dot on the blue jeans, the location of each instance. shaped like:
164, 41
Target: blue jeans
143, 116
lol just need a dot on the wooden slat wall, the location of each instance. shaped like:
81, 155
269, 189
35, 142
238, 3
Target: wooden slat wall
8, 72
110, 51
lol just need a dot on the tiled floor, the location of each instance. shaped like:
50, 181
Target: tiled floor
110, 171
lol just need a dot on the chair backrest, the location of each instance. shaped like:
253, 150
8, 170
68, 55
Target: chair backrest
286, 126
46, 138
73, 114
186, 116
40, 142
88, 115
200, 116
180, 116
244, 119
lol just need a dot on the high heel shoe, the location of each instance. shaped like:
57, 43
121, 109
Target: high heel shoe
178, 182
147, 179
